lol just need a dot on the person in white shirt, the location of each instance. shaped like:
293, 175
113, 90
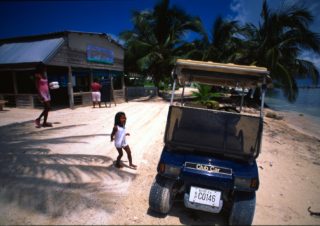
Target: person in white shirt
118, 135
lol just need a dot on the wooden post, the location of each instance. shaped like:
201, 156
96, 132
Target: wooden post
112, 93
70, 88
123, 88
14, 80
91, 77
15, 87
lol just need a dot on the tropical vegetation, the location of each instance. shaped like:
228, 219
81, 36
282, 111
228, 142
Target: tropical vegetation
277, 44
158, 38
221, 45
205, 96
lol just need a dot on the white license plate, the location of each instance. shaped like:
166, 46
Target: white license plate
205, 196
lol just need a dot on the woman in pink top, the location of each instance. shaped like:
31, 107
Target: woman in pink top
44, 94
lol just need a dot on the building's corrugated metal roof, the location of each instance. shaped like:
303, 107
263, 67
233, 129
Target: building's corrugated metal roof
29, 52
58, 35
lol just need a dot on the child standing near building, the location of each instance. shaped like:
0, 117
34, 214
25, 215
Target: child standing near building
118, 135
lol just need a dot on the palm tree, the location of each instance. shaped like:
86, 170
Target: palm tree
154, 43
206, 96
220, 46
277, 43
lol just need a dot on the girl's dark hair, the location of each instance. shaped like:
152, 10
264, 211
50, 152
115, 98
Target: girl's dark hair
117, 118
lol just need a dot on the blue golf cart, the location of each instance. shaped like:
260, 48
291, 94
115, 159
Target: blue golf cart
209, 156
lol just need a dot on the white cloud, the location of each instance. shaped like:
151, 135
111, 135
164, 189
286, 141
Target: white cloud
249, 11
312, 57
246, 10
314, 6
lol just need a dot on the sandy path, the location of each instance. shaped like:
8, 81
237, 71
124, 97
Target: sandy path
289, 169
65, 174
54, 175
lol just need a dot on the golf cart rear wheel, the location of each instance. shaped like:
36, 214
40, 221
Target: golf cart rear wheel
243, 208
161, 195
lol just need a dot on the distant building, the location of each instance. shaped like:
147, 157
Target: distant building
72, 58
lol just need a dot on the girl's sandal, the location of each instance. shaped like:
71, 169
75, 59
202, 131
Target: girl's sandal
47, 124
132, 166
118, 165
37, 122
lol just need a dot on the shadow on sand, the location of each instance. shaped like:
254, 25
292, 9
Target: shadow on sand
54, 184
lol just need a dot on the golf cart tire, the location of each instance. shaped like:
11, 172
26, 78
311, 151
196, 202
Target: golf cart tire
243, 208
161, 195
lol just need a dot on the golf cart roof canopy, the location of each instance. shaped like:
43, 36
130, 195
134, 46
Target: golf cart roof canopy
220, 74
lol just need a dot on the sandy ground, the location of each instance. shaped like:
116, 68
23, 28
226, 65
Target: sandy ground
65, 174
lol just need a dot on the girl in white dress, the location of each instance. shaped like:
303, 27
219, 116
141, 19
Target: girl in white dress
118, 135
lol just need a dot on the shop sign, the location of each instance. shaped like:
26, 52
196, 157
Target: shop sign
99, 55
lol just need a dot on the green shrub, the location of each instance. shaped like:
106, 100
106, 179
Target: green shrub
212, 104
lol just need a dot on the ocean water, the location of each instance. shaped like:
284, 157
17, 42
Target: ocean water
306, 104
308, 101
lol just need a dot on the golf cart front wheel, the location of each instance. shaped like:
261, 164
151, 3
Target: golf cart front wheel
161, 195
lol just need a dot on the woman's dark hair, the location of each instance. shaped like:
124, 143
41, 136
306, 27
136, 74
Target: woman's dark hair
40, 68
117, 118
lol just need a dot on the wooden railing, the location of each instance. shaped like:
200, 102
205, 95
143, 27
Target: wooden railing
21, 100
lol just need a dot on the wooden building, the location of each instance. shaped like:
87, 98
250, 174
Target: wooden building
71, 58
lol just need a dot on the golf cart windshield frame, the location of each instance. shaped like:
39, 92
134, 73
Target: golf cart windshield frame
213, 131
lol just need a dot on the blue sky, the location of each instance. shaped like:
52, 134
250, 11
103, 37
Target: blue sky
107, 16
22, 17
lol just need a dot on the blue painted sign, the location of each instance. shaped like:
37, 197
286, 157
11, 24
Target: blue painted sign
99, 55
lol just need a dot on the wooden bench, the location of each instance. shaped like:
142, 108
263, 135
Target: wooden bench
2, 103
